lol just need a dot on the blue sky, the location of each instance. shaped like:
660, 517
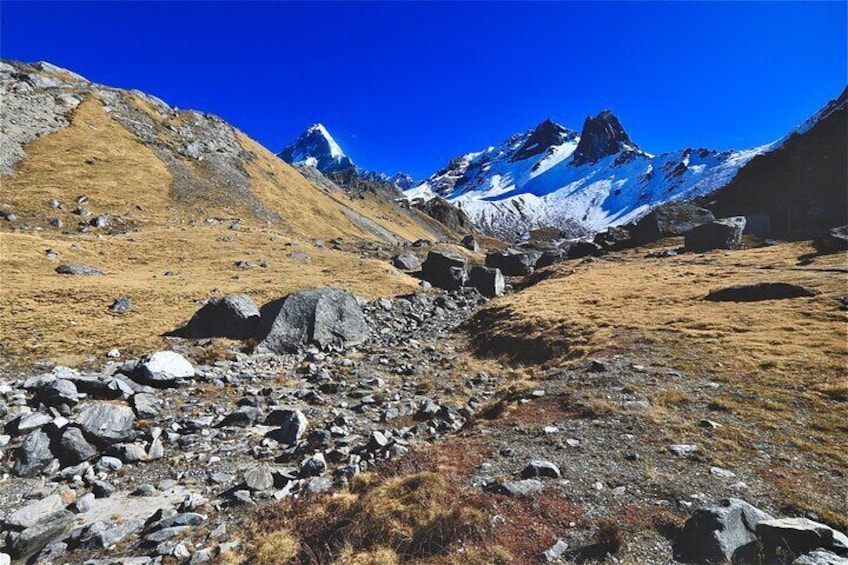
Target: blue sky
410, 85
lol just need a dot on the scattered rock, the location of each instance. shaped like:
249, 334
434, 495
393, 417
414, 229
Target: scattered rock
718, 234
683, 449
720, 533
800, 535
488, 282
555, 552
470, 242
73, 447
163, 368
83, 270
259, 478
406, 261
30, 514
40, 534
582, 249
513, 263
105, 422
445, 269
669, 220
33, 455
526, 488
540, 468
292, 425
121, 305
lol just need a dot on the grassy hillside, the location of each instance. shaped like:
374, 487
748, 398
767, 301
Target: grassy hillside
168, 213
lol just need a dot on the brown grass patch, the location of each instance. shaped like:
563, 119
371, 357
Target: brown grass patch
810, 491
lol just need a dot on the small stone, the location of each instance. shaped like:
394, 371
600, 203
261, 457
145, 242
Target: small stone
79, 270
144, 490
524, 488
683, 449
314, 465
540, 468
555, 552
722, 473
259, 478
121, 305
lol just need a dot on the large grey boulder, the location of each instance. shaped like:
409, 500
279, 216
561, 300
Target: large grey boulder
721, 533
79, 270
73, 447
513, 263
321, 316
668, 220
30, 514
37, 536
581, 249
445, 269
800, 535
234, 316
832, 241
489, 282
105, 422
33, 455
406, 261
718, 234
163, 369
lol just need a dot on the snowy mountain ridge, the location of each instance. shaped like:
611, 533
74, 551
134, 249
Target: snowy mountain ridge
552, 177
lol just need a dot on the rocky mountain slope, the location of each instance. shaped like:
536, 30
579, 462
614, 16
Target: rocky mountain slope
799, 186
553, 177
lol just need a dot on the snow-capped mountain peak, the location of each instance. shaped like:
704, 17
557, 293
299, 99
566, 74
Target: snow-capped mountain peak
315, 147
602, 136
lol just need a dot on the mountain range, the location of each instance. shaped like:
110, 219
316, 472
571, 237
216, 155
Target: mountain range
554, 177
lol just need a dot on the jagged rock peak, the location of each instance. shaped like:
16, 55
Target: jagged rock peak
315, 147
547, 134
602, 135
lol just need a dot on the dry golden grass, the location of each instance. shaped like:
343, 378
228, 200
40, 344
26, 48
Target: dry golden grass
94, 156
275, 548
47, 315
583, 308
64, 319
781, 364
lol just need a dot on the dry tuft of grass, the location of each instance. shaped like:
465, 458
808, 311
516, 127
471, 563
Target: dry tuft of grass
275, 548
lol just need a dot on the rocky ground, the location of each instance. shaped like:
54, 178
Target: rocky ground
161, 460
207, 441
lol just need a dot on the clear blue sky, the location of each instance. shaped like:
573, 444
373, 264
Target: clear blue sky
409, 85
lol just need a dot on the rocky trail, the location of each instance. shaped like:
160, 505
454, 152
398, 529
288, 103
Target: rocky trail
204, 442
